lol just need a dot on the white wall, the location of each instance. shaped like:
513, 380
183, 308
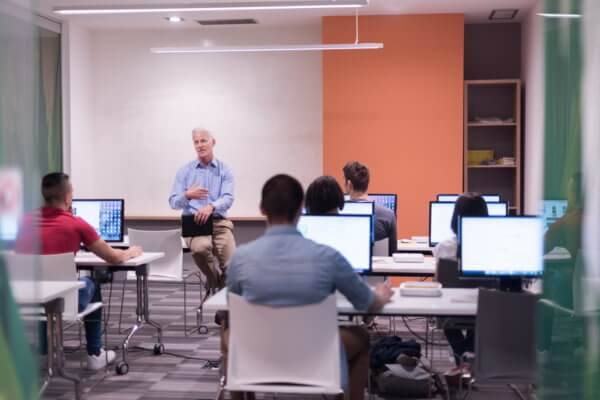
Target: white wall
79, 107
133, 112
533, 78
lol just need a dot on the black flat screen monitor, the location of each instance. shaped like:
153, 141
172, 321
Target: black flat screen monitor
489, 198
105, 215
348, 234
501, 247
440, 219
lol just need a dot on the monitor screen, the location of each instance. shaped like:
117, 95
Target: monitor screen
501, 247
105, 215
387, 200
489, 198
348, 234
9, 227
440, 218
358, 208
553, 210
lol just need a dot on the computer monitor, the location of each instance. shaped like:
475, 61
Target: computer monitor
9, 228
348, 234
440, 218
489, 198
553, 210
105, 215
387, 200
509, 248
358, 208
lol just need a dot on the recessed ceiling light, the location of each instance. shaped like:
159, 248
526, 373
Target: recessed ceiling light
174, 19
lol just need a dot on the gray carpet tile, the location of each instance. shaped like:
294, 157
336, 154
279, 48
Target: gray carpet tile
181, 373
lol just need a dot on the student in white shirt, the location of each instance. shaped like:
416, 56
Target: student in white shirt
467, 205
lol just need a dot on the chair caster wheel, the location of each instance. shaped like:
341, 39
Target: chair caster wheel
122, 368
159, 349
203, 330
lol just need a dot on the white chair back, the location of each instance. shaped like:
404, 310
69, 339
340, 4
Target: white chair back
54, 267
170, 267
381, 248
278, 345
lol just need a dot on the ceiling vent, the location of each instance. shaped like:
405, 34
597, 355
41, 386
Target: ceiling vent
220, 22
503, 15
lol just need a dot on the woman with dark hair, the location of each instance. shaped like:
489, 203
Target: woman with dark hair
468, 205
324, 196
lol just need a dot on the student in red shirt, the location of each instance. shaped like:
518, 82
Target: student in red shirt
54, 230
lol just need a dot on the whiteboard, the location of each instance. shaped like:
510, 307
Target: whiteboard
265, 111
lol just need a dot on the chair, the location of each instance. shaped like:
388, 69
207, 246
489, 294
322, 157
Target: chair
381, 248
278, 349
505, 340
448, 274
55, 267
168, 269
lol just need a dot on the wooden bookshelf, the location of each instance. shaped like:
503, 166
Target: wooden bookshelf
494, 99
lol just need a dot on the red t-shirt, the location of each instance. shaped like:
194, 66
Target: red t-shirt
51, 230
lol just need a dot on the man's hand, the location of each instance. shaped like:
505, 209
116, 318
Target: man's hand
196, 193
134, 251
203, 214
384, 292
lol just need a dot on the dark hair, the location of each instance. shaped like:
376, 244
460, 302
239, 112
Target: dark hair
324, 195
282, 197
468, 205
358, 174
55, 187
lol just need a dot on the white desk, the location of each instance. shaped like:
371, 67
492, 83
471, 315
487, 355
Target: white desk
50, 295
453, 302
89, 261
387, 266
414, 247
125, 243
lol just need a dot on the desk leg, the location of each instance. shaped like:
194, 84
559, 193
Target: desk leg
56, 356
160, 348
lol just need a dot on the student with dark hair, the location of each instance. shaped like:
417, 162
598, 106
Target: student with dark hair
282, 268
356, 178
467, 205
54, 230
324, 196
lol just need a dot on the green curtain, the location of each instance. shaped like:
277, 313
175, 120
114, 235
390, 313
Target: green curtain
30, 140
561, 344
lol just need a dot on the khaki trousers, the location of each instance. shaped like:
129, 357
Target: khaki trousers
212, 253
356, 343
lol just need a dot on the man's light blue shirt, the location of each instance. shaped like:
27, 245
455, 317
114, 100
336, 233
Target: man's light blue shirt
282, 268
216, 177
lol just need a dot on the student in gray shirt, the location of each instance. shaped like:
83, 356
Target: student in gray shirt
282, 268
356, 179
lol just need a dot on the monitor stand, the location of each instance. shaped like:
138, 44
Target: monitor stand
511, 284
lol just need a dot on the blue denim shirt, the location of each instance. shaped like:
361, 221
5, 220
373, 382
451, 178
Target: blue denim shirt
216, 177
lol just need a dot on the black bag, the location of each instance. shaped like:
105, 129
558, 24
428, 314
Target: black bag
387, 350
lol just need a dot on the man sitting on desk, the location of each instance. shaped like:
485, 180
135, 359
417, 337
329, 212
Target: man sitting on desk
204, 188
54, 230
282, 268
356, 177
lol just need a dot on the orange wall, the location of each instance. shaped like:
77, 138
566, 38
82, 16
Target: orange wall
399, 109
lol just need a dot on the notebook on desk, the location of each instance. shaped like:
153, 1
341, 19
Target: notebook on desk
190, 228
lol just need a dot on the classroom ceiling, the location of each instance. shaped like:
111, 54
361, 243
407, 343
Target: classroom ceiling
474, 10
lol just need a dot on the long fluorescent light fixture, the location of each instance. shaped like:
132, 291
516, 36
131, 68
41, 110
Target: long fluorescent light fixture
216, 6
270, 48
559, 15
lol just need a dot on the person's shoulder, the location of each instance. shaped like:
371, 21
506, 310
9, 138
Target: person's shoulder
384, 211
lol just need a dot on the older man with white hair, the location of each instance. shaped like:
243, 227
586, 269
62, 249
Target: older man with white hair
204, 188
